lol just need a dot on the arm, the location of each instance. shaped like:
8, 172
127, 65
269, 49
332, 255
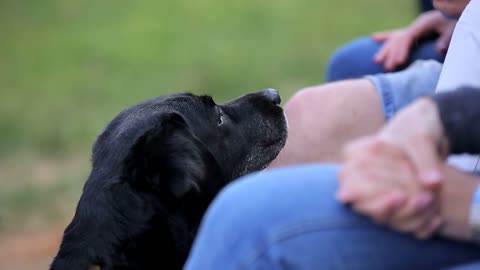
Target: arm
455, 200
427, 23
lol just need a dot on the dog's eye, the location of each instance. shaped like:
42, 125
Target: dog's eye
220, 117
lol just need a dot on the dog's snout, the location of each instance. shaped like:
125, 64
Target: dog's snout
272, 95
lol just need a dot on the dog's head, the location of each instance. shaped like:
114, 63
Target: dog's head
178, 142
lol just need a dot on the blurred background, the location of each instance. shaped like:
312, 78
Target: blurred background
68, 66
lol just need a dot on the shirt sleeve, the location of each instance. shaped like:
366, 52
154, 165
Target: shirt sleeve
460, 115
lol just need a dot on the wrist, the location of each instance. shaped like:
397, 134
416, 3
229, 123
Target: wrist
411, 33
428, 109
427, 23
455, 203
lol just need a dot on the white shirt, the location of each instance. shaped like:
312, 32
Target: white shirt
462, 67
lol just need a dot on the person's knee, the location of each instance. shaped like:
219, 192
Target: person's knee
313, 104
322, 118
311, 116
297, 107
353, 60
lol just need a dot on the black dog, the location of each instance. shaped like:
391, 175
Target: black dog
155, 169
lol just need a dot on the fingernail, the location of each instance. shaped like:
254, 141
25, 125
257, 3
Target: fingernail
431, 177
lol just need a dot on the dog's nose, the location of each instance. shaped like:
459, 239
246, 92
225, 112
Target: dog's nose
272, 95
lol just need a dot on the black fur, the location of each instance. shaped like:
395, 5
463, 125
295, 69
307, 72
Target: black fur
155, 169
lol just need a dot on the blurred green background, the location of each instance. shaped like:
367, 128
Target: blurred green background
68, 66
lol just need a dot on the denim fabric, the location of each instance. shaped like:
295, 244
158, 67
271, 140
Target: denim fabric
289, 219
425, 5
398, 89
355, 59
472, 266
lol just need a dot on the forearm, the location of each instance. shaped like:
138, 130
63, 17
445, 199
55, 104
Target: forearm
455, 199
460, 116
427, 23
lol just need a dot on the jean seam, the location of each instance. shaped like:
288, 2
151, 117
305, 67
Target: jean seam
385, 92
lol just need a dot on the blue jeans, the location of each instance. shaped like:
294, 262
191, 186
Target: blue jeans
355, 59
289, 219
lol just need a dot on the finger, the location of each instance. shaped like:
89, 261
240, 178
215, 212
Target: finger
381, 55
381, 36
380, 209
425, 157
398, 57
427, 219
416, 206
442, 44
415, 216
443, 41
354, 185
402, 56
347, 184
345, 195
430, 228
389, 63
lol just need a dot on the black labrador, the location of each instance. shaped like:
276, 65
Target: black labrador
155, 169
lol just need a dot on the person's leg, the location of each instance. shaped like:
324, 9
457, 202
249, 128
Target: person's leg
290, 219
355, 59
322, 119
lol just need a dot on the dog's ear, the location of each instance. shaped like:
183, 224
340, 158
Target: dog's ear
168, 157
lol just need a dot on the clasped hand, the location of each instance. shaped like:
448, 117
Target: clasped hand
394, 176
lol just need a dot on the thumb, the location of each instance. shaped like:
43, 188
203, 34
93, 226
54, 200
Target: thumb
427, 162
443, 42
381, 36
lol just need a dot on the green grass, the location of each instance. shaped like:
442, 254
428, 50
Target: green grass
68, 66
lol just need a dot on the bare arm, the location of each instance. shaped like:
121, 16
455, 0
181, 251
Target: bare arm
455, 199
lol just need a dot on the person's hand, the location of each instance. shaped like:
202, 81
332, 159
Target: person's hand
379, 181
396, 48
397, 44
418, 131
393, 176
